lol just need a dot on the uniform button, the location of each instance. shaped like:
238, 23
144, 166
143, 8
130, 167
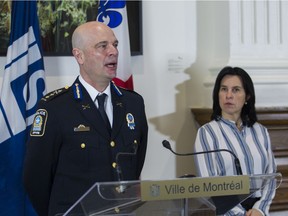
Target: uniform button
117, 210
114, 164
135, 141
83, 145
112, 144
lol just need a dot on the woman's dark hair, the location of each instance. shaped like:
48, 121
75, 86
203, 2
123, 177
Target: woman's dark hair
248, 113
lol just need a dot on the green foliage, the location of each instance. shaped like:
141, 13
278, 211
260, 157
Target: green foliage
63, 14
57, 20
5, 17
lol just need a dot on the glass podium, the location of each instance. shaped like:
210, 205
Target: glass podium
181, 196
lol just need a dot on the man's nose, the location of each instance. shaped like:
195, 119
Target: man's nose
113, 50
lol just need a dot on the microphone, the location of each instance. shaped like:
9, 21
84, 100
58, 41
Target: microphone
118, 167
167, 145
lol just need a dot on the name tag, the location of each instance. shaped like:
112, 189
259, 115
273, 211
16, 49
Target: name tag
81, 128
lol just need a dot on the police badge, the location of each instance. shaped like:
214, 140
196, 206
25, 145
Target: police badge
130, 121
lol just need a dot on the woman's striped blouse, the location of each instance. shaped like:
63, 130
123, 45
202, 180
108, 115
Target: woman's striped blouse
251, 145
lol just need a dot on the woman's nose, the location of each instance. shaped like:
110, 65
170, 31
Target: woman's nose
229, 94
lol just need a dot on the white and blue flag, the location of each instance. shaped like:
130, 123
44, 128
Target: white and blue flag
114, 14
23, 85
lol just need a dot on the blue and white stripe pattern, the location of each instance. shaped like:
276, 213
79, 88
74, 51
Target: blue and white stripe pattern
22, 86
251, 145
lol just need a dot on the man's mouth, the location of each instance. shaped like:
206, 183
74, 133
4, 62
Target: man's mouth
111, 65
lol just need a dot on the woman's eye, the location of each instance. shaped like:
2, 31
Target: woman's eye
236, 90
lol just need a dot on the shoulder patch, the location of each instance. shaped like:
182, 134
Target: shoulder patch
39, 123
55, 93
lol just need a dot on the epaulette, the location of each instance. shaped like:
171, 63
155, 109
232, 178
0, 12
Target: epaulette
116, 88
55, 93
125, 89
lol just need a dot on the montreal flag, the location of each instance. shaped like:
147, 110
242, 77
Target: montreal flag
114, 14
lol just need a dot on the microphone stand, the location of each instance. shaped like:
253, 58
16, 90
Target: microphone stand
167, 145
121, 188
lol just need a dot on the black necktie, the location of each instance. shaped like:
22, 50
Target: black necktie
101, 100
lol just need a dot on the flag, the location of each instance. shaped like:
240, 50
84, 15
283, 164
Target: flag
114, 14
23, 85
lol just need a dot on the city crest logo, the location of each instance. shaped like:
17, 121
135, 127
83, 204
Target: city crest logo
154, 190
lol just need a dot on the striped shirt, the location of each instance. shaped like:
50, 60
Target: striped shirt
251, 145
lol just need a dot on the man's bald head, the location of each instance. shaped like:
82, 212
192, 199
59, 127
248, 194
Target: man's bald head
85, 31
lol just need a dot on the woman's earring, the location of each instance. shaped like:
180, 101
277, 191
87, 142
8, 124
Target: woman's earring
245, 102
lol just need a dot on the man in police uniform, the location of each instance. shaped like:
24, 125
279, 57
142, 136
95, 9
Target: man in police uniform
69, 147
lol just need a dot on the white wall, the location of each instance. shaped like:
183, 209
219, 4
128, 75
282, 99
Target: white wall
248, 34
169, 34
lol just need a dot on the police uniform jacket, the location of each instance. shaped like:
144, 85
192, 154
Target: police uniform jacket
69, 148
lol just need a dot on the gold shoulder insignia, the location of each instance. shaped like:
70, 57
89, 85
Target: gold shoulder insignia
55, 93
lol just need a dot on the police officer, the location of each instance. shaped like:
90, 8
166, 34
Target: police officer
70, 146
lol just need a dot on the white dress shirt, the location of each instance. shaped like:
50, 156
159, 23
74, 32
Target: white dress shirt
93, 94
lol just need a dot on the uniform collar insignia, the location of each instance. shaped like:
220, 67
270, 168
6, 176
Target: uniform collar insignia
119, 104
84, 107
77, 91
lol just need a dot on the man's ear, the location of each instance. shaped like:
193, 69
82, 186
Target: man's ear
78, 54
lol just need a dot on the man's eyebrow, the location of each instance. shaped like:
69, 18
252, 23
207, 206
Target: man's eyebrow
105, 43
101, 43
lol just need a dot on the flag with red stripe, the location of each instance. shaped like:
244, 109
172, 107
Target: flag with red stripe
114, 14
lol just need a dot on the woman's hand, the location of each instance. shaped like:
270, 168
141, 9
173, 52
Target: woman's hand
254, 212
